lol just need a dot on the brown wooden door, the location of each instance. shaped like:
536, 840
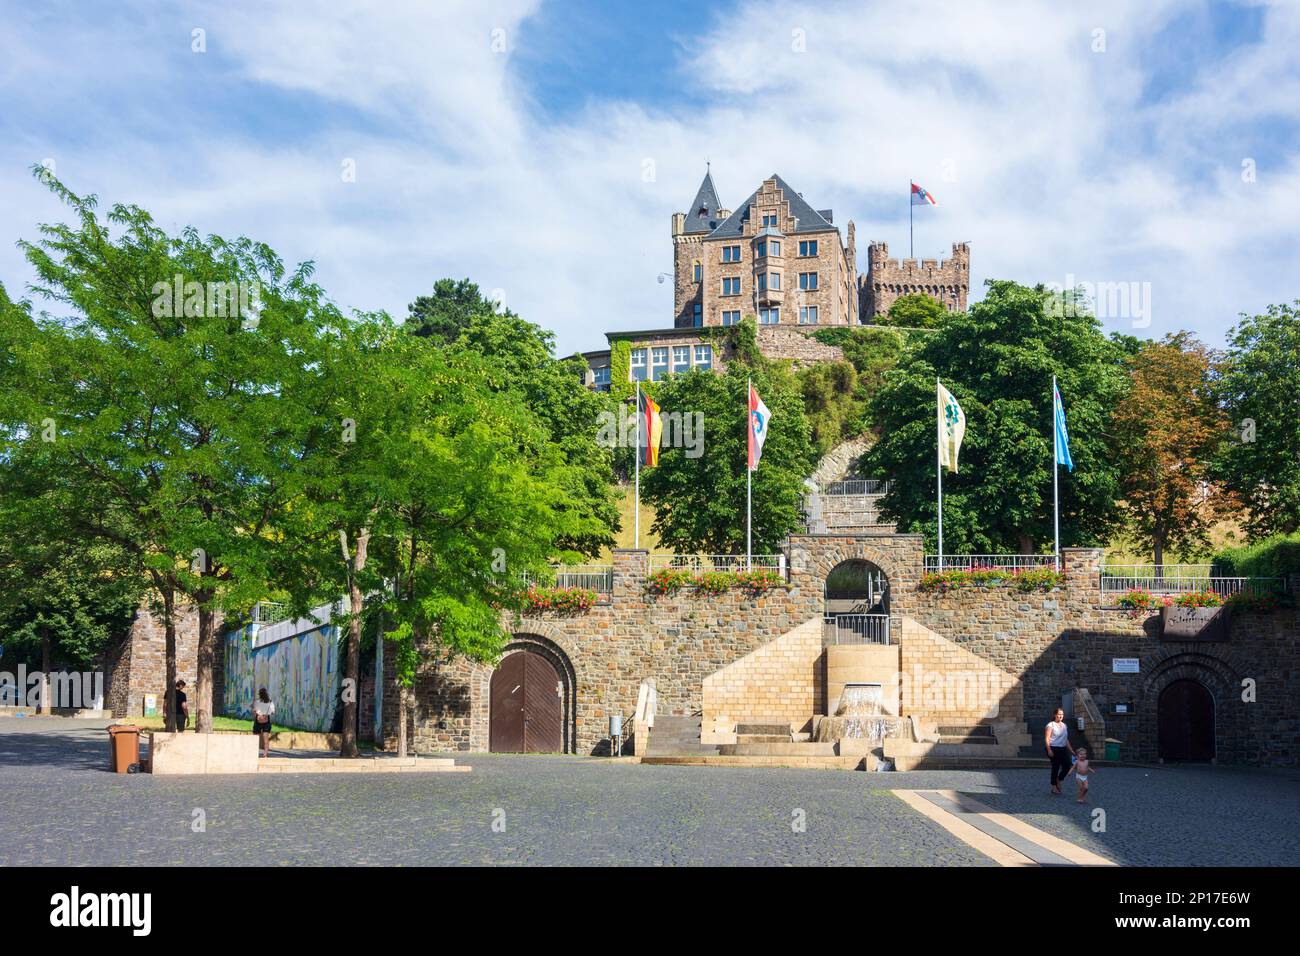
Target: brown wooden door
527, 714
1186, 721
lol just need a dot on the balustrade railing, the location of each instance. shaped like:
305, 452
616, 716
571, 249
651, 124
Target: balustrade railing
999, 562
700, 563
859, 486
855, 629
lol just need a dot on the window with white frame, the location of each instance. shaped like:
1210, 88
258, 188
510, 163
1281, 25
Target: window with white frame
658, 363
731, 253
808, 281
681, 358
638, 365
807, 315
600, 376
731, 285
807, 247
770, 220
731, 317
770, 316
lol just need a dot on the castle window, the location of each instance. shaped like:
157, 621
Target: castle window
731, 286
704, 355
658, 363
638, 365
773, 281
762, 248
697, 315
681, 358
807, 315
699, 272
770, 316
770, 220
807, 247
731, 253
808, 281
731, 318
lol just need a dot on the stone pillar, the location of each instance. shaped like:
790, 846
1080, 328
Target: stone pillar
631, 568
1082, 567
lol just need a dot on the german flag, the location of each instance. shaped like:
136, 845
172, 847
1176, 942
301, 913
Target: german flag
650, 429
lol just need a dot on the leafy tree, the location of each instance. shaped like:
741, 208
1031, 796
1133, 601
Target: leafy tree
916, 311
832, 403
700, 502
1260, 391
445, 314
998, 360
157, 411
1165, 428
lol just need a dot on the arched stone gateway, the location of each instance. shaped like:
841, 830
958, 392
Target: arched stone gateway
1184, 708
1186, 721
856, 603
531, 698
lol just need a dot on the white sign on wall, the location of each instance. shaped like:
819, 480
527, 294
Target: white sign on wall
1124, 665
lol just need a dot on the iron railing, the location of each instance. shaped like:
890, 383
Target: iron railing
265, 613
592, 577
1120, 578
999, 562
855, 629
719, 562
859, 486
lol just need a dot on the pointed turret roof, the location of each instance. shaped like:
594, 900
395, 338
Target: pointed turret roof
702, 216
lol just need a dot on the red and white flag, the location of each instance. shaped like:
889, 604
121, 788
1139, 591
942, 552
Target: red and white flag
758, 419
920, 197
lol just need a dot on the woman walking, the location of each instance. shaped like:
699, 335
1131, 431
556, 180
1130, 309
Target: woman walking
1057, 738
263, 708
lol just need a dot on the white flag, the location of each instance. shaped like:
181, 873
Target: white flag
952, 428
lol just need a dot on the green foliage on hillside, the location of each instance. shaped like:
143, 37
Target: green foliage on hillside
1274, 557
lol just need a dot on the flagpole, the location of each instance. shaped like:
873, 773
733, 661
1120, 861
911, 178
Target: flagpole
938, 450
636, 507
911, 251
1056, 485
749, 478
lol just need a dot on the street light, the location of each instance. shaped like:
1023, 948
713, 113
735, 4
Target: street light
662, 276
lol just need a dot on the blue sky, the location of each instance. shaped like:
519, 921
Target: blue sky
540, 148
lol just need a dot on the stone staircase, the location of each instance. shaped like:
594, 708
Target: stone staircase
678, 737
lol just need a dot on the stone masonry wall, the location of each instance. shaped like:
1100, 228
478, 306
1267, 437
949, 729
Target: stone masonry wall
780, 682
140, 666
946, 280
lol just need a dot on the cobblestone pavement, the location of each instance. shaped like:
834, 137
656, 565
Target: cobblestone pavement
60, 806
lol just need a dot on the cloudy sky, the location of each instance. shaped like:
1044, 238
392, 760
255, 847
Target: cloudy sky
540, 148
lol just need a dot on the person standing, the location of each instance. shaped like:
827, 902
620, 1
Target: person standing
1056, 737
263, 708
181, 708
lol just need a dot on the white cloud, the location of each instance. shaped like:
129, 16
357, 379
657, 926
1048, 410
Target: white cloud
1059, 166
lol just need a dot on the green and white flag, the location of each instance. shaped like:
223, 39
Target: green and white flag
952, 428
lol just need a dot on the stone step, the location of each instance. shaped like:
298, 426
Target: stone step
785, 749
359, 765
771, 730
762, 738
964, 730
743, 760
975, 739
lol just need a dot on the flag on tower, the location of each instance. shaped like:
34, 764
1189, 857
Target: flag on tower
758, 419
920, 197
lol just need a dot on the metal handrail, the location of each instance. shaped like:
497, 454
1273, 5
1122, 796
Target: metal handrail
859, 486
997, 562
592, 577
718, 562
1182, 584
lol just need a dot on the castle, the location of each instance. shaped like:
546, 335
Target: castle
783, 263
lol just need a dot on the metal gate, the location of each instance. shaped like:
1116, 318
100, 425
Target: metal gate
527, 712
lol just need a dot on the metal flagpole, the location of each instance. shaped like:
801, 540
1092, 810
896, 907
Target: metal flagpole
911, 250
749, 478
636, 506
1056, 485
938, 449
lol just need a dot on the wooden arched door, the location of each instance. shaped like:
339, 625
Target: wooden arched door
527, 712
1185, 716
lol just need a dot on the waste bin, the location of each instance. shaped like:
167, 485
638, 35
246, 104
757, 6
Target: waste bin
1112, 748
124, 747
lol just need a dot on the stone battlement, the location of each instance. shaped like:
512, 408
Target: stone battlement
947, 280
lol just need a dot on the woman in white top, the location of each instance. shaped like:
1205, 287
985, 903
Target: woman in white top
1056, 737
263, 708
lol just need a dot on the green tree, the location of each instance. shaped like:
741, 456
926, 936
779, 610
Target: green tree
1165, 429
1260, 391
157, 410
916, 311
445, 314
998, 360
699, 501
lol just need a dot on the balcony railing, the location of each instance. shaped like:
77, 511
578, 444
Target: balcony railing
855, 629
859, 486
593, 577
1000, 562
1181, 579
269, 612
719, 562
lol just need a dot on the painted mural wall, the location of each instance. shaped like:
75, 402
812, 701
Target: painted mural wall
300, 673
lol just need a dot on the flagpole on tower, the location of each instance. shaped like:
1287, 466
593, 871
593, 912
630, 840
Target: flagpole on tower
1056, 484
938, 451
636, 505
749, 478
911, 251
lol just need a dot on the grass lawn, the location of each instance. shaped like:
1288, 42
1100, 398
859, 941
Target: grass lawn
219, 724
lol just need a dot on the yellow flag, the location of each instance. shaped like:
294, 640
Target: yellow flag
952, 428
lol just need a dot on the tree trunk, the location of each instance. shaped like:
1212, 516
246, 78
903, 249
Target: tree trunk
47, 702
401, 720
1158, 550
351, 673
169, 651
203, 679
1026, 544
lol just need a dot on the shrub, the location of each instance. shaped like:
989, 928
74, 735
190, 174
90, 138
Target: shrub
1139, 603
716, 582
1274, 557
758, 580
1024, 580
1199, 599
670, 580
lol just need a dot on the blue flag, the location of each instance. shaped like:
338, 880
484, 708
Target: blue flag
1062, 436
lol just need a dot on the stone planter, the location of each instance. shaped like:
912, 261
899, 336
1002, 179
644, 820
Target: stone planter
1194, 623
202, 753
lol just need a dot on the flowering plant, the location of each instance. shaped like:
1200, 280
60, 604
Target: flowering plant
669, 580
560, 600
1022, 579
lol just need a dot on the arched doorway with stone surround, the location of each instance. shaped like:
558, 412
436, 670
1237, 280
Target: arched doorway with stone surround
1186, 712
855, 598
531, 698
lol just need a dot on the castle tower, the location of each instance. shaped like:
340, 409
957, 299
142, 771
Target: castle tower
945, 280
689, 229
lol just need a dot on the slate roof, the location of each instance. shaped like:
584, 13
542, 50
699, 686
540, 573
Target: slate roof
702, 216
809, 219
